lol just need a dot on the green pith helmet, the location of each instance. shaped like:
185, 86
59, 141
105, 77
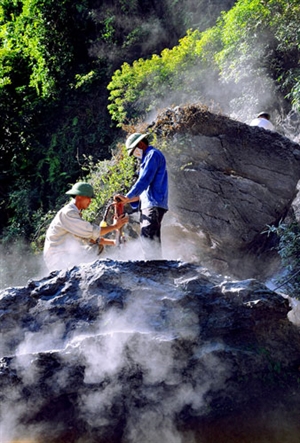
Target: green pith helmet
83, 189
133, 140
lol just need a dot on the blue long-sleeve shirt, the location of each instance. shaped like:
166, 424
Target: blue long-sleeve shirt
152, 183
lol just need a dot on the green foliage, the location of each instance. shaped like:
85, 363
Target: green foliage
241, 27
53, 94
264, 31
38, 33
21, 210
48, 111
109, 177
289, 251
137, 89
294, 95
57, 57
246, 53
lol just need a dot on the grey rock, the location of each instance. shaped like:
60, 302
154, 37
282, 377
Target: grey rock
229, 181
147, 352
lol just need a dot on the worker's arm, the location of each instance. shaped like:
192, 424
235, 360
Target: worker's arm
104, 241
148, 170
118, 223
125, 199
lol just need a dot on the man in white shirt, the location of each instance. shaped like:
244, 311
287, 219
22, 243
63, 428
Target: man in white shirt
263, 121
69, 237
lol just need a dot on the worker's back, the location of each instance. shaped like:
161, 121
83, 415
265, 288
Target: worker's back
263, 121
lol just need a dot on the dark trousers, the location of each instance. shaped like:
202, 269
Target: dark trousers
150, 224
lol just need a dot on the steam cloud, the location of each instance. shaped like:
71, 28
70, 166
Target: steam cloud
127, 336
120, 340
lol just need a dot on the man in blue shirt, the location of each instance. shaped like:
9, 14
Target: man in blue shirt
151, 190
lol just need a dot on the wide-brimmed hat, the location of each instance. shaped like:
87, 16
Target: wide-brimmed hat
133, 140
83, 189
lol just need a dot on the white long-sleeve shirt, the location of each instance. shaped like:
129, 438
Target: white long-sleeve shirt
262, 123
64, 245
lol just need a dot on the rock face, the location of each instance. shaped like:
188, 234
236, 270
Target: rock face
147, 352
228, 182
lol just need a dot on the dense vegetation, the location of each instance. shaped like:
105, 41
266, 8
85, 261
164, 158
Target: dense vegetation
76, 74
288, 234
56, 59
249, 59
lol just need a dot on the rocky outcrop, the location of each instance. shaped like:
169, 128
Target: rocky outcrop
147, 352
290, 125
229, 181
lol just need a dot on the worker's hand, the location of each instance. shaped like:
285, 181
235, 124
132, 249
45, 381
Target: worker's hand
124, 199
120, 221
120, 198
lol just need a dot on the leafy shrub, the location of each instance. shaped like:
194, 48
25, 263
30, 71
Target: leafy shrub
109, 177
137, 89
289, 251
247, 53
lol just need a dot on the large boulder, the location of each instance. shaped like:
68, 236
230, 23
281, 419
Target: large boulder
229, 181
147, 352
